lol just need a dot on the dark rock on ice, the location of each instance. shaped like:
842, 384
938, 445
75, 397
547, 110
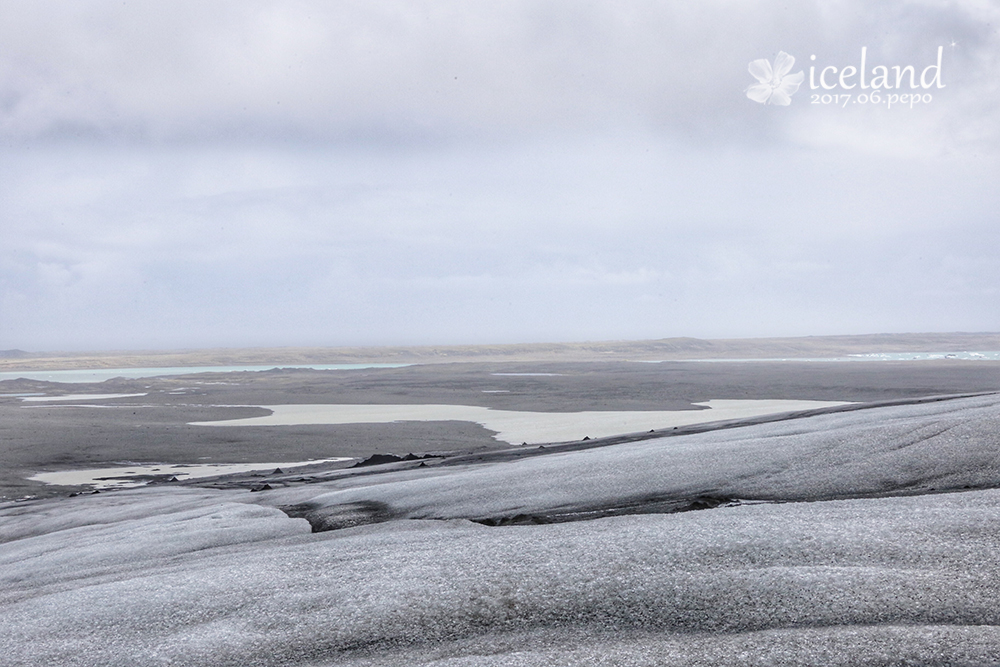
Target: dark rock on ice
334, 517
378, 459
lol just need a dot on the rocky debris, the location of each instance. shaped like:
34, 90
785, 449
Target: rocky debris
379, 459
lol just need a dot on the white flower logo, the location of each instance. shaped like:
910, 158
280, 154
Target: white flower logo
774, 87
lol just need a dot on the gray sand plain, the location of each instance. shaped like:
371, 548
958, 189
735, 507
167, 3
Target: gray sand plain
865, 536
154, 428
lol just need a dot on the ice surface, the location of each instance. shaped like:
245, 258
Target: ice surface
31, 519
808, 582
114, 549
161, 576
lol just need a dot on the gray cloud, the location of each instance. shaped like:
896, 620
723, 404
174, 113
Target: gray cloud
264, 71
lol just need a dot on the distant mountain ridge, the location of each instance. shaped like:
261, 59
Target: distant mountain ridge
665, 349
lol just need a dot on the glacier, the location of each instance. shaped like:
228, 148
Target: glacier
862, 537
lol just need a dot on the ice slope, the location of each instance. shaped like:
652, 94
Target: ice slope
115, 548
835, 582
952, 444
40, 518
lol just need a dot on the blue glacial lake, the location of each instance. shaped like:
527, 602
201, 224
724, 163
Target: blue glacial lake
874, 356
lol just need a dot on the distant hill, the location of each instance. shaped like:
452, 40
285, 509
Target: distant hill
645, 350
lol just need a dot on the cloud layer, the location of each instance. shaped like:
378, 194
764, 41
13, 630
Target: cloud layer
322, 173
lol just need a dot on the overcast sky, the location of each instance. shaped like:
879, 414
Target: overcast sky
194, 174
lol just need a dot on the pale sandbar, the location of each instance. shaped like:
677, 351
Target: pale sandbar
517, 427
